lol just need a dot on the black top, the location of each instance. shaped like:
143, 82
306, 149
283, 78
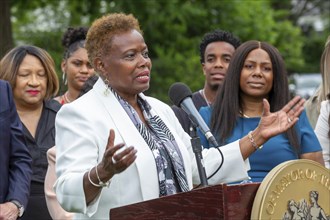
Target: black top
183, 117
44, 139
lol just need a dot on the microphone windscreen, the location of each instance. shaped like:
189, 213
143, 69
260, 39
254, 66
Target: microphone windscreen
178, 92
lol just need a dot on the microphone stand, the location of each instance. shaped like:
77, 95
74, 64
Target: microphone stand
197, 149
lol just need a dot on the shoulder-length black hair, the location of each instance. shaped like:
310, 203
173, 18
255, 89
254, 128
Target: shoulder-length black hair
227, 104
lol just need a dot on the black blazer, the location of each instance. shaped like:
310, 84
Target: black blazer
15, 159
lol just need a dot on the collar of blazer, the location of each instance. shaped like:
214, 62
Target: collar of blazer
125, 128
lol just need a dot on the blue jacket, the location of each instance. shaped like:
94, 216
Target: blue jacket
15, 159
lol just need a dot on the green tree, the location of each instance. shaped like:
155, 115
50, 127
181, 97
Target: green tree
304, 14
172, 30
6, 38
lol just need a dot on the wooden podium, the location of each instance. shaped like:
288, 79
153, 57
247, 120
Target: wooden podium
212, 202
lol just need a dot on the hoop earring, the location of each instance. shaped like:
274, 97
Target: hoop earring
107, 90
64, 78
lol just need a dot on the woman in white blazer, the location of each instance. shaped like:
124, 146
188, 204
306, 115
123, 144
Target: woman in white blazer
98, 171
322, 130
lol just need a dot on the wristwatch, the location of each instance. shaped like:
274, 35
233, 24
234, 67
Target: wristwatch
19, 206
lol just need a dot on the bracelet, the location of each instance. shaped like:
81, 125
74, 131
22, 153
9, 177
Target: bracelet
90, 180
254, 144
101, 183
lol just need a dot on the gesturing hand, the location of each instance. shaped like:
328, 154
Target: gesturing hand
272, 124
116, 158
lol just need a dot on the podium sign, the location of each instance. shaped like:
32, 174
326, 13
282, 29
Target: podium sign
297, 189
211, 202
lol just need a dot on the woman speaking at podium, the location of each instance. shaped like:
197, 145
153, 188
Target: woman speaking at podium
116, 146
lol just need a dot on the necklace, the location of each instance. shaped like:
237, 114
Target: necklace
204, 96
244, 115
66, 98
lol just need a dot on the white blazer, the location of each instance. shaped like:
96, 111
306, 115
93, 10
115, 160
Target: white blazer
82, 130
322, 131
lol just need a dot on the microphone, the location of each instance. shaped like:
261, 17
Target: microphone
180, 95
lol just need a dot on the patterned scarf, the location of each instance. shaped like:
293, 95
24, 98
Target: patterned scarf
169, 161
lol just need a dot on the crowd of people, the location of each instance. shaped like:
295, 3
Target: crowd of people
135, 147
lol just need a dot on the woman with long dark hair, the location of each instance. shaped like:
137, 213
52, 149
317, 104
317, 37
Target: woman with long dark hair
257, 72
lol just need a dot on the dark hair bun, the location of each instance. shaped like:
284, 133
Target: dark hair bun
73, 35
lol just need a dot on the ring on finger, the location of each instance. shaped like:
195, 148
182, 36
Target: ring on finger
289, 120
113, 160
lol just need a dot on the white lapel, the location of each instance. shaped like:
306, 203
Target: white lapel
125, 128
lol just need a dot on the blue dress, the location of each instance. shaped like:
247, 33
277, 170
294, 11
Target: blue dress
275, 151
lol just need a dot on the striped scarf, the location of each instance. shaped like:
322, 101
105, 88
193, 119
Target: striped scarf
169, 162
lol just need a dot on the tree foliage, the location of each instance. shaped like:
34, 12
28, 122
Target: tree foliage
173, 29
6, 40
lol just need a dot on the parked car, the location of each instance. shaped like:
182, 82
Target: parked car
305, 84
